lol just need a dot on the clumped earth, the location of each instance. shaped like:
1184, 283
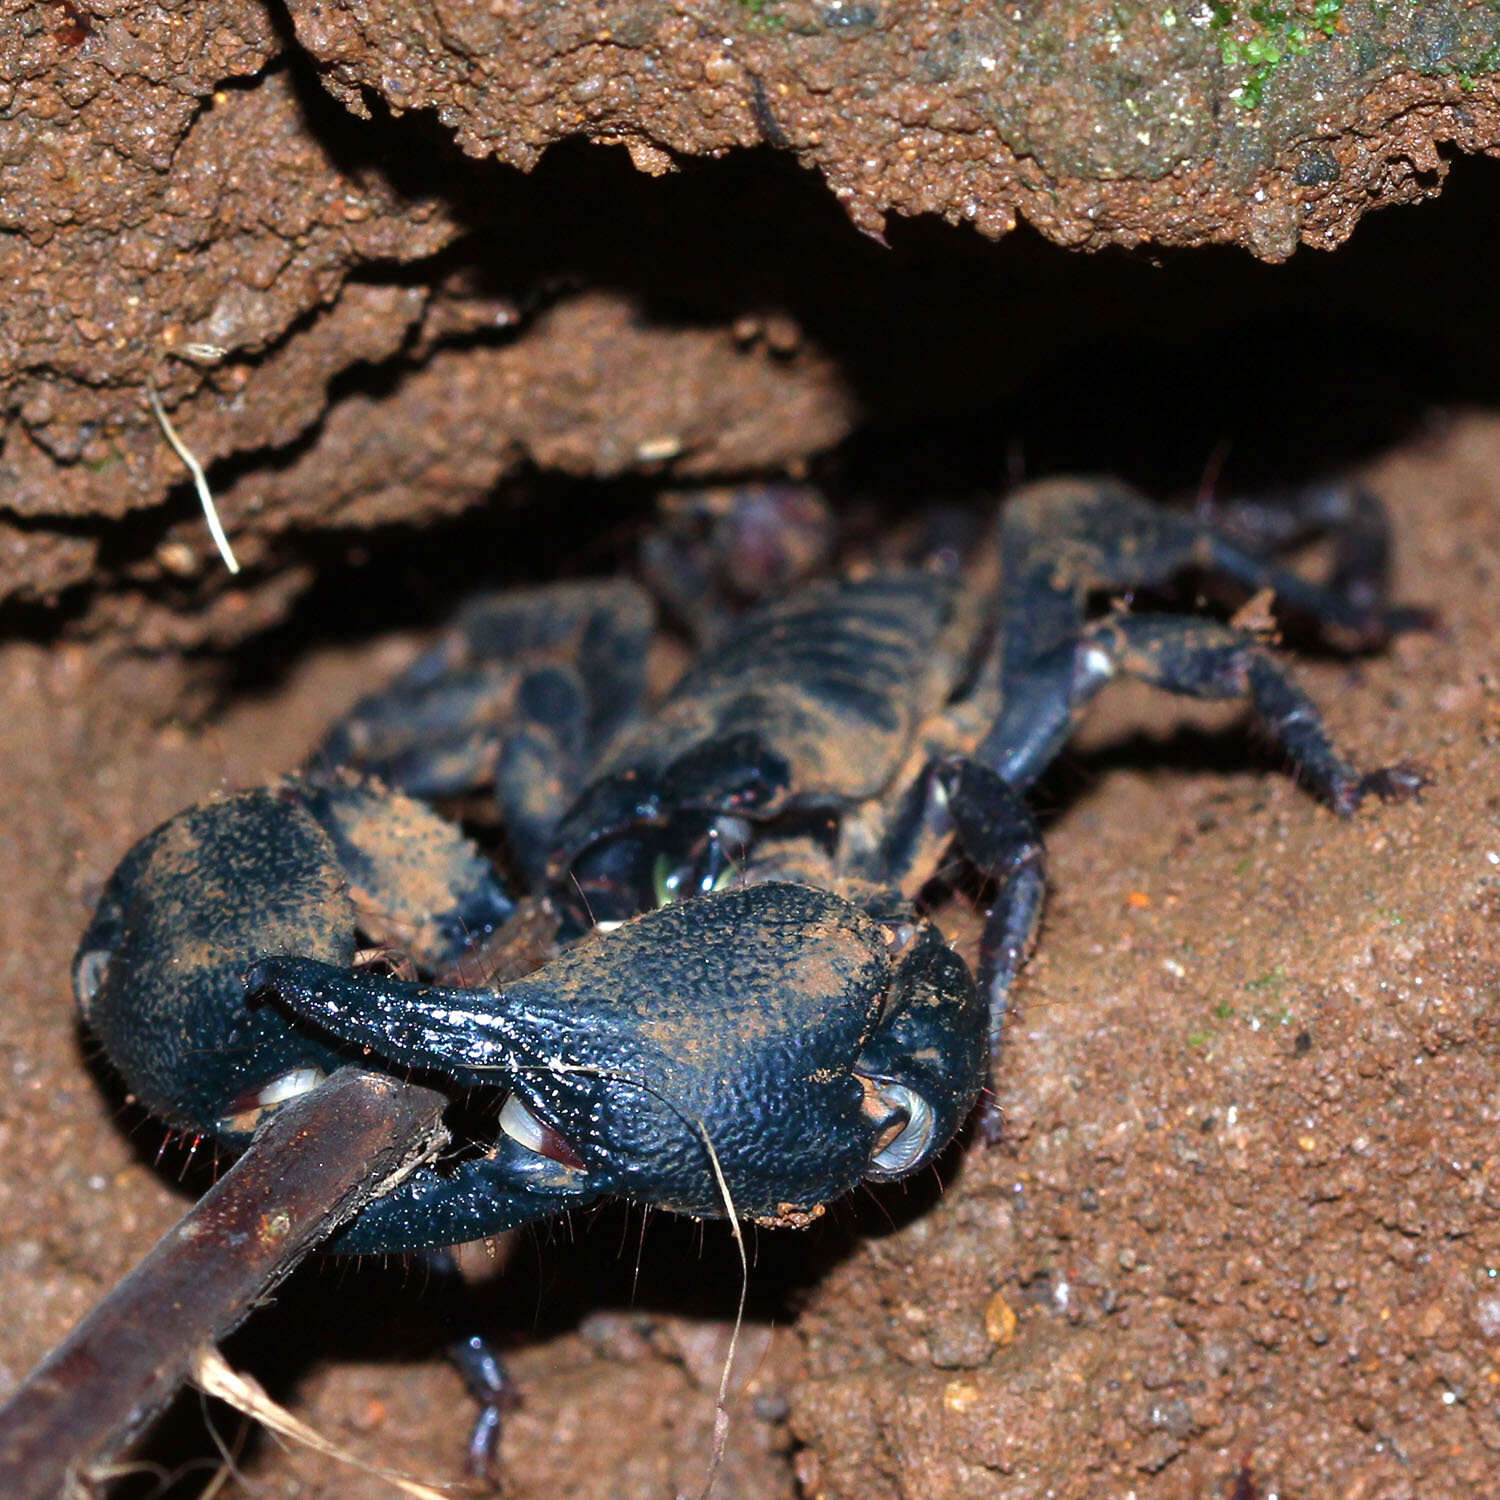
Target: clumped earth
1239, 1239
184, 205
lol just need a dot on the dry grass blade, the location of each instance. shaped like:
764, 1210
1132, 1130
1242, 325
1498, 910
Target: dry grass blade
215, 1377
200, 479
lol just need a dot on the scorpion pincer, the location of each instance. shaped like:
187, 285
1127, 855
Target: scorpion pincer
744, 1002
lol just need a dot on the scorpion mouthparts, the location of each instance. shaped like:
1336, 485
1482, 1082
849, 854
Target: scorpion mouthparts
245, 1111
526, 1130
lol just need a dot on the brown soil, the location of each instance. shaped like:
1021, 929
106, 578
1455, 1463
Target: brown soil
1098, 123
353, 323
1241, 1221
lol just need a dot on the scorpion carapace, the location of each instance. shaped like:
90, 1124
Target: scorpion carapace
743, 1003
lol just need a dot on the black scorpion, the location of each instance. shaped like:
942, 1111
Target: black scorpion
746, 1005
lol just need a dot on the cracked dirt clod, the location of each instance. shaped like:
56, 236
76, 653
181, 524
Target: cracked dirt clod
147, 205
242, 227
1100, 123
173, 176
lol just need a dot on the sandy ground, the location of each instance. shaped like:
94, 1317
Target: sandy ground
1239, 1242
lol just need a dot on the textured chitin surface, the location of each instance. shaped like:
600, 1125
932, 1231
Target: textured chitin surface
1243, 1221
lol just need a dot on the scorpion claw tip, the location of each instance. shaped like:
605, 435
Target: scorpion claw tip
1399, 783
1403, 782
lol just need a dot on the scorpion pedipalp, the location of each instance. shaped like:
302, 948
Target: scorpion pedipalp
613, 1080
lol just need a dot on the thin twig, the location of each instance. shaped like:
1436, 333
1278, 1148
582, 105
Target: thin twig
316, 1163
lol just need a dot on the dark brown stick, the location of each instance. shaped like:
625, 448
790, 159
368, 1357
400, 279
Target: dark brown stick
318, 1161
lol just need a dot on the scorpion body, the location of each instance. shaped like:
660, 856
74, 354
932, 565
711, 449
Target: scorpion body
744, 1003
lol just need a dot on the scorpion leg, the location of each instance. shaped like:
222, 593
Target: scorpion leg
1343, 510
1198, 659
518, 693
483, 1372
456, 1208
1062, 539
998, 835
1265, 522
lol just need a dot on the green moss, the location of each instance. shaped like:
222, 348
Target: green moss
103, 465
1272, 981
1486, 62
1276, 32
760, 15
